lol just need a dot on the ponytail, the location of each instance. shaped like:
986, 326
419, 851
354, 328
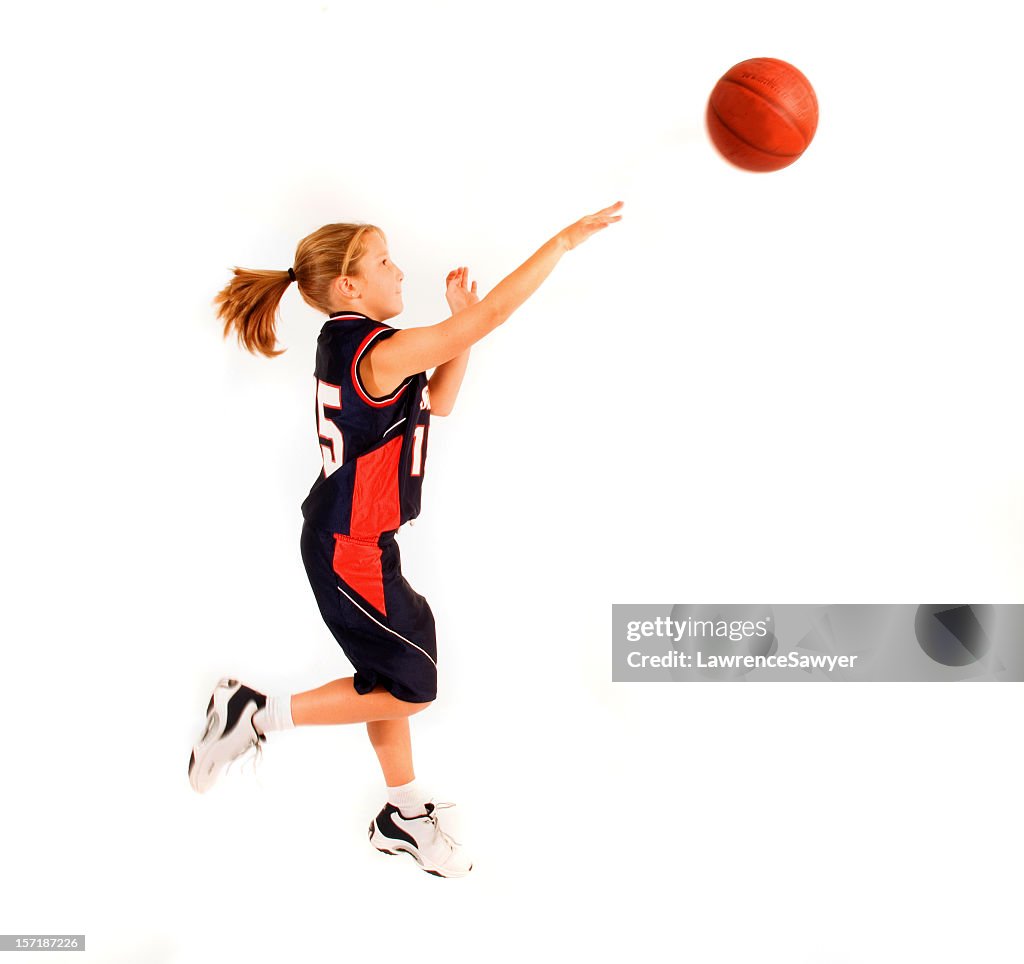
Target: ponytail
248, 304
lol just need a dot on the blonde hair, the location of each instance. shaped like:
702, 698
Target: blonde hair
249, 302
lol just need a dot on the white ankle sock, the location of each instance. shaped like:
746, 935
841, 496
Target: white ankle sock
409, 799
276, 715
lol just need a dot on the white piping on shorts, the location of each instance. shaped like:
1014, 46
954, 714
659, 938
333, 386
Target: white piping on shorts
382, 626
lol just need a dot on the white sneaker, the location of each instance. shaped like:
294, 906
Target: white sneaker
421, 837
229, 732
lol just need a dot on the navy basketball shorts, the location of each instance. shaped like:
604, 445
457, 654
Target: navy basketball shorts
384, 626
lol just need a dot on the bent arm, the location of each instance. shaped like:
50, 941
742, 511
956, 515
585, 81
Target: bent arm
445, 383
414, 350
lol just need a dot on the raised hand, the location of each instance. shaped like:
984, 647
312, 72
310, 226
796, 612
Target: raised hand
577, 233
457, 294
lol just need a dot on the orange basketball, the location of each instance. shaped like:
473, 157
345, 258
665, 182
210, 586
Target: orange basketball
762, 114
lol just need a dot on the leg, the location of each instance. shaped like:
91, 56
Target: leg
338, 702
393, 745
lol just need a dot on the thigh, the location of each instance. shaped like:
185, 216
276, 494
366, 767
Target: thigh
385, 628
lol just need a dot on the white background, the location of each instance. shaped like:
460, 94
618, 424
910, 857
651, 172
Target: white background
793, 387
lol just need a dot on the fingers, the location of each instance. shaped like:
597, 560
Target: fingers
602, 218
617, 206
594, 223
607, 215
459, 277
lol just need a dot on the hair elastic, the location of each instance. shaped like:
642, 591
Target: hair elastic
291, 274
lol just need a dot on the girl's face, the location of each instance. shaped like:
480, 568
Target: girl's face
378, 285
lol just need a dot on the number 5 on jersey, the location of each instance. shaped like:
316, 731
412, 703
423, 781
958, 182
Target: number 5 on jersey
332, 445
329, 396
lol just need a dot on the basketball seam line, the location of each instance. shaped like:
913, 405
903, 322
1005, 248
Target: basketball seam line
760, 93
753, 147
739, 137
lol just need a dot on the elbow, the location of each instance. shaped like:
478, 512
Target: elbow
441, 405
495, 311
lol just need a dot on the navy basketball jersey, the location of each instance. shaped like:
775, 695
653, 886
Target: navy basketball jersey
374, 449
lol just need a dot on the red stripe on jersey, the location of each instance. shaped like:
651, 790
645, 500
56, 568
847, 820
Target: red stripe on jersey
383, 403
358, 563
376, 502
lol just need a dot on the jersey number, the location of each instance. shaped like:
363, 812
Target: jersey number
329, 396
417, 452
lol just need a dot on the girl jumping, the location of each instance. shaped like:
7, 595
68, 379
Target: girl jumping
373, 406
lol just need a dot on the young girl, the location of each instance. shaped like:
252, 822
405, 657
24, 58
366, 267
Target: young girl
373, 407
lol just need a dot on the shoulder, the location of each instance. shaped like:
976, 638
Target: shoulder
351, 334
374, 394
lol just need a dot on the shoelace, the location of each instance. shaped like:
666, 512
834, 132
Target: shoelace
248, 754
432, 816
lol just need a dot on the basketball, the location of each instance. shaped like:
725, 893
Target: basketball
762, 114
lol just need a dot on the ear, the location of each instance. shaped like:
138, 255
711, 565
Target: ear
345, 286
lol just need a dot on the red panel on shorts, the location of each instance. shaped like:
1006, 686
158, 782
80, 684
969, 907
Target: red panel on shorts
376, 504
358, 563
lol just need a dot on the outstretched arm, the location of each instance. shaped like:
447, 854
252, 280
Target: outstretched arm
447, 378
414, 350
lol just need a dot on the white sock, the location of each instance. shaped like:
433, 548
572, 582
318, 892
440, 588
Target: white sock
409, 799
276, 715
